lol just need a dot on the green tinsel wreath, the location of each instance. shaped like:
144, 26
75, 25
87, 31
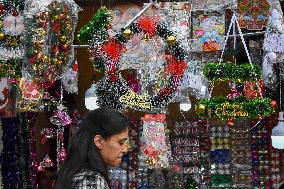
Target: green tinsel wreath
237, 108
232, 72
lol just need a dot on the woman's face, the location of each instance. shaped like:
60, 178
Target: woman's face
113, 148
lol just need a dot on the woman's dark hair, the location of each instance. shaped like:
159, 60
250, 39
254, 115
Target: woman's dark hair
82, 152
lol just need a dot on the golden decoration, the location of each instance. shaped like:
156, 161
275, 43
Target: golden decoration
2, 35
63, 38
1, 24
45, 58
56, 17
171, 40
146, 37
201, 108
134, 100
127, 33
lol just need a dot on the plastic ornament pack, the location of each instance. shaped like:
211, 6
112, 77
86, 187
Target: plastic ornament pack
49, 37
154, 142
189, 143
208, 31
241, 154
220, 157
11, 39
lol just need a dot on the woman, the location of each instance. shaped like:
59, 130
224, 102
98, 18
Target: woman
99, 142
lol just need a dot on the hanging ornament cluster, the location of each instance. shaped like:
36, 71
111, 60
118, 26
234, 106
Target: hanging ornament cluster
120, 93
49, 37
240, 107
11, 23
232, 72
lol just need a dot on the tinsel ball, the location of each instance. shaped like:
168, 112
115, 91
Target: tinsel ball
35, 67
146, 37
45, 58
2, 35
1, 24
127, 33
171, 40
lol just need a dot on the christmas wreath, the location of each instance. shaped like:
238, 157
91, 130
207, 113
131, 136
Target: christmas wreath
112, 90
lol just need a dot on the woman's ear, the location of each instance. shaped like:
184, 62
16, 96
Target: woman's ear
98, 140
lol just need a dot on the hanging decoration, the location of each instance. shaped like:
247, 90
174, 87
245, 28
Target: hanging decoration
11, 172
31, 95
70, 79
11, 68
240, 107
50, 29
98, 22
254, 89
208, 31
252, 14
123, 95
154, 144
232, 72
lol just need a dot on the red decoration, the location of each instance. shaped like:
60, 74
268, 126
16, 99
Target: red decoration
30, 90
32, 60
148, 24
253, 90
113, 49
273, 104
15, 13
56, 27
154, 117
175, 67
231, 121
55, 48
2, 8
75, 67
65, 47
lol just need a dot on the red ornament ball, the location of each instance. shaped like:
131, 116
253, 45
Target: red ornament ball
273, 103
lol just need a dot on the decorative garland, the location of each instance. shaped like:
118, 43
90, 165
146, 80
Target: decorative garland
53, 28
11, 172
239, 107
228, 71
113, 90
11, 68
101, 20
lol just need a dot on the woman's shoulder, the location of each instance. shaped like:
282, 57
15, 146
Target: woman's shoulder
87, 178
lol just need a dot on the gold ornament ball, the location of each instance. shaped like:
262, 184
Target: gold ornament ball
171, 40
146, 37
45, 58
55, 61
127, 33
35, 67
1, 24
2, 36
56, 17
63, 38
201, 109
